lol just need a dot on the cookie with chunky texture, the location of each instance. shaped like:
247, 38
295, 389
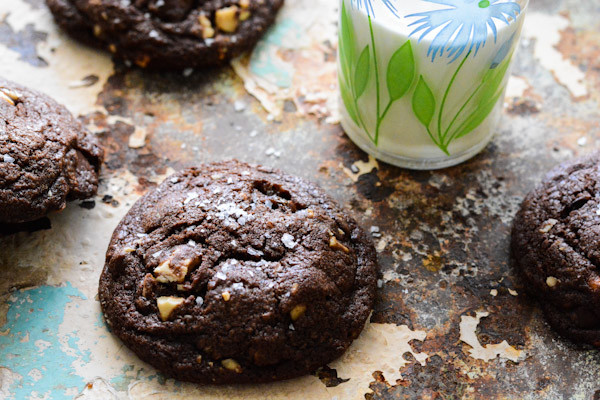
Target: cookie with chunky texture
231, 273
168, 34
556, 248
46, 156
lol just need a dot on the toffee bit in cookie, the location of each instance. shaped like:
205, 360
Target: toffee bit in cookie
334, 244
199, 359
168, 272
129, 250
551, 281
594, 283
168, 304
207, 29
13, 96
226, 295
548, 225
6, 98
244, 15
297, 311
226, 19
141, 62
232, 365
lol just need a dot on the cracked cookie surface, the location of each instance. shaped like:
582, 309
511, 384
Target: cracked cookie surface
168, 34
231, 273
46, 156
555, 248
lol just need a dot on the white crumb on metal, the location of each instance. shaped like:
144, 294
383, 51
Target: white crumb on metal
239, 106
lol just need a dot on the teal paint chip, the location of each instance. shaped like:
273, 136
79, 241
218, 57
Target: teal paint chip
262, 61
33, 349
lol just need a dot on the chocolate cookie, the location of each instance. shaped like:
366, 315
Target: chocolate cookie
168, 34
230, 273
46, 156
556, 248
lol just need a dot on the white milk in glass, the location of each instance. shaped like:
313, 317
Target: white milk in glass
422, 82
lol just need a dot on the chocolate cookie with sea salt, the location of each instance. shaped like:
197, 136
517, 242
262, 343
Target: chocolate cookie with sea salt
46, 156
555, 247
231, 273
168, 34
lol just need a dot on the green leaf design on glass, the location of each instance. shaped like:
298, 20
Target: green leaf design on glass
361, 74
471, 114
357, 72
347, 43
489, 92
348, 102
479, 115
423, 102
492, 82
401, 72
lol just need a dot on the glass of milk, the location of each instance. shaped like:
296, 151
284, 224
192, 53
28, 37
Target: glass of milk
422, 82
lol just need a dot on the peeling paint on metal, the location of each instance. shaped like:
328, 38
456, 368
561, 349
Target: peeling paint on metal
468, 328
67, 61
546, 31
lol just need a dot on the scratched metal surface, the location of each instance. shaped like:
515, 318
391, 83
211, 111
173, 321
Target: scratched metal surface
451, 320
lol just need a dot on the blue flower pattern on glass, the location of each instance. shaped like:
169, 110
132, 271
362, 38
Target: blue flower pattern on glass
464, 26
367, 5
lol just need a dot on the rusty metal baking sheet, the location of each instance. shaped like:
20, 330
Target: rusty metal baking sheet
451, 321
